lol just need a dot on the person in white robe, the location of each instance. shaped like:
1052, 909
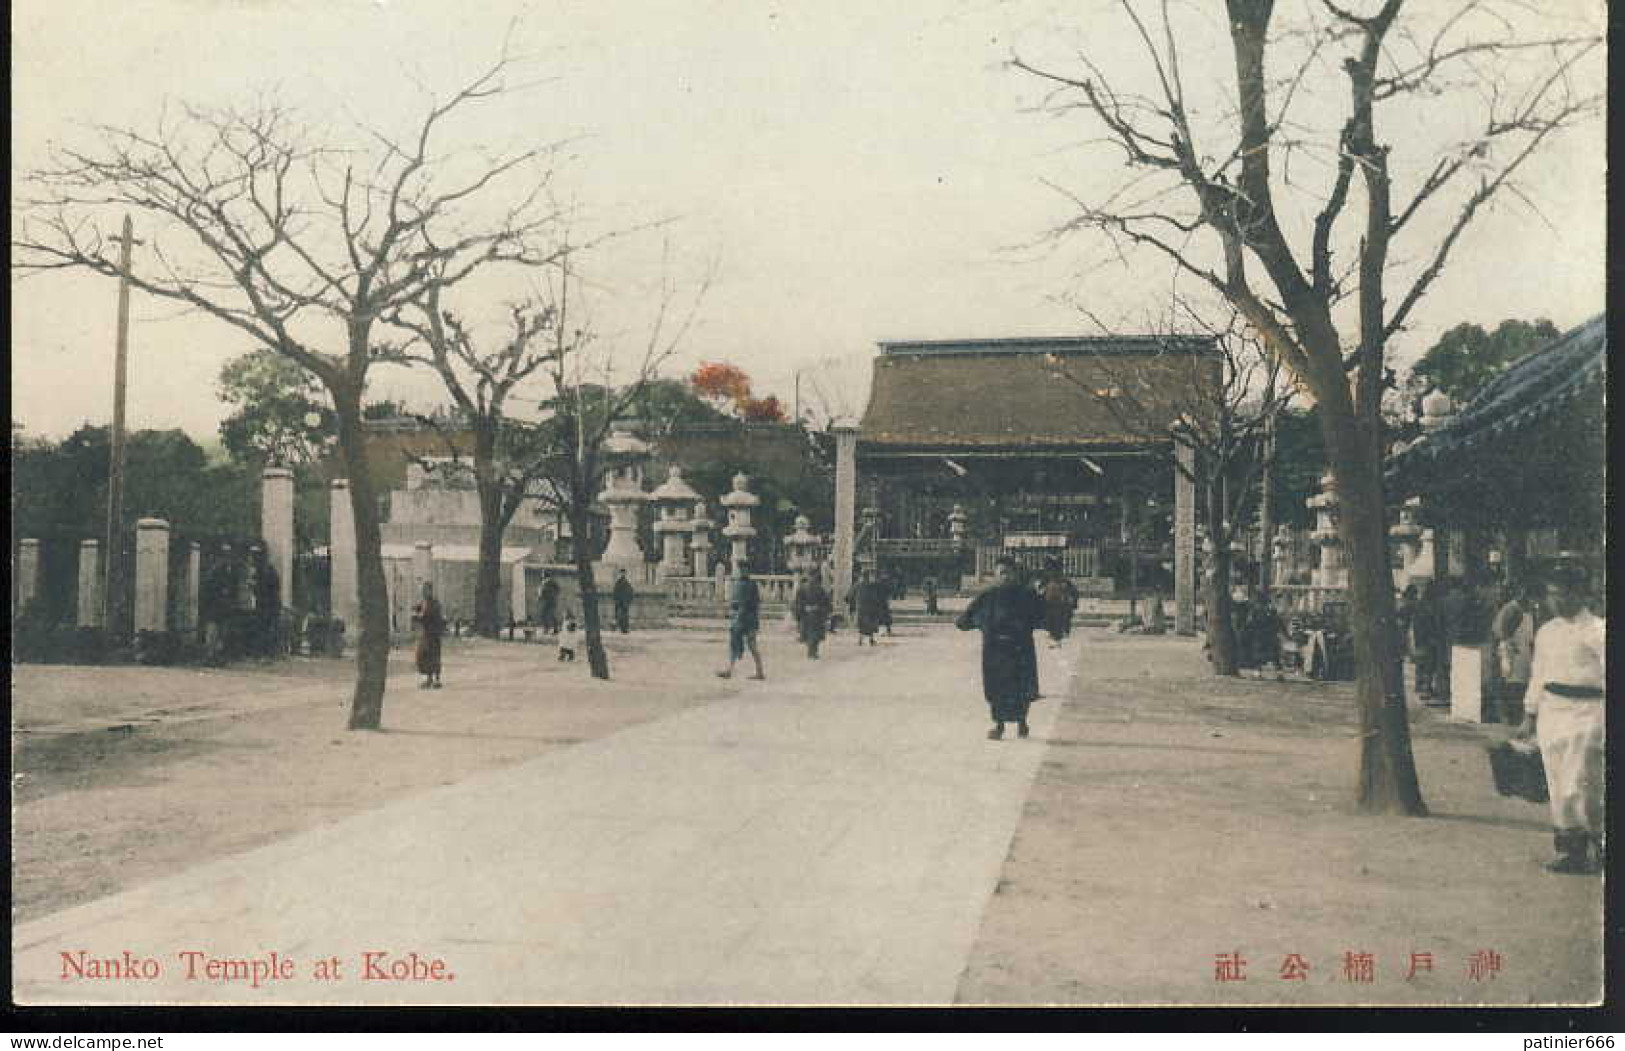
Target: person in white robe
1565, 712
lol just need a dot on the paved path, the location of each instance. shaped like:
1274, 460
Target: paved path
828, 841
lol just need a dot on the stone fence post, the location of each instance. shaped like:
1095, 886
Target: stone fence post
151, 574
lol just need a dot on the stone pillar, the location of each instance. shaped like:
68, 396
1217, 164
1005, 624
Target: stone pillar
90, 584
151, 574
517, 609
192, 619
1469, 675
1185, 542
422, 568
345, 597
28, 567
276, 525
846, 503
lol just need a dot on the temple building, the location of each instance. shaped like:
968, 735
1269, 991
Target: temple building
1517, 475
1040, 448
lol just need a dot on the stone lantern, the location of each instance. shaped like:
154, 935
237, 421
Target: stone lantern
869, 538
739, 502
1281, 555
1331, 573
957, 519
1437, 411
674, 500
700, 544
623, 494
802, 546
1407, 536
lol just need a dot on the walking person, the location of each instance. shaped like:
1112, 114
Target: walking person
1565, 713
569, 638
1060, 600
1007, 614
548, 604
869, 606
1513, 630
930, 596
812, 605
623, 594
430, 622
744, 620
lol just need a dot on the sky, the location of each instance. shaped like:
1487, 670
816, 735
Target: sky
846, 172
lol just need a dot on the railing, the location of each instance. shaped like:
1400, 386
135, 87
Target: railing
699, 591
909, 547
1305, 598
1079, 561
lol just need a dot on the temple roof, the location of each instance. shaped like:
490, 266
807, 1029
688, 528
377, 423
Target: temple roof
1531, 390
1006, 393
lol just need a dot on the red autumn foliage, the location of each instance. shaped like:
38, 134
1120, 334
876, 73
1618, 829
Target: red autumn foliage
721, 382
762, 410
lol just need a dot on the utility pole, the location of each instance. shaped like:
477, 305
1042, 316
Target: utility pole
113, 605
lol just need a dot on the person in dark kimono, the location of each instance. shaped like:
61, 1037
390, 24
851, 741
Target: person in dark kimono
267, 605
430, 621
930, 596
548, 602
1426, 639
1007, 614
623, 595
869, 606
812, 607
1060, 599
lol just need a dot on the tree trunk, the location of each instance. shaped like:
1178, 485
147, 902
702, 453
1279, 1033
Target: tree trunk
372, 647
1221, 628
591, 629
488, 576
1387, 777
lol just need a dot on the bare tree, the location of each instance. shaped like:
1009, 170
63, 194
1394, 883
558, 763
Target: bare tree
593, 389
303, 248
1222, 414
1212, 173
506, 463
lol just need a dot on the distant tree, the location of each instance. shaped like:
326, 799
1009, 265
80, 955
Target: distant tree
1299, 463
303, 246
60, 489
666, 404
283, 416
1467, 357
727, 388
724, 386
761, 410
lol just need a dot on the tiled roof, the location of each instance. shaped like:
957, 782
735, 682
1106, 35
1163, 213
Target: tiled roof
1531, 389
972, 394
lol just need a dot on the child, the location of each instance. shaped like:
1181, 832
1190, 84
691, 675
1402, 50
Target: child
567, 639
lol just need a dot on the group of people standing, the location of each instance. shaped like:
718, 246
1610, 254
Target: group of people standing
429, 624
1546, 652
